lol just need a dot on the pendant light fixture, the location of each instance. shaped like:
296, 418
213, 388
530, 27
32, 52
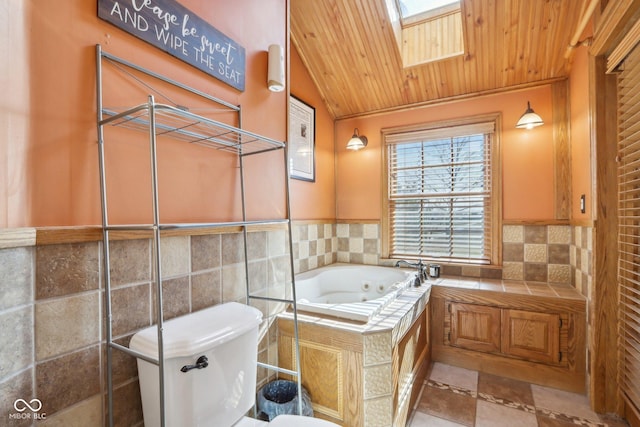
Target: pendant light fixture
529, 119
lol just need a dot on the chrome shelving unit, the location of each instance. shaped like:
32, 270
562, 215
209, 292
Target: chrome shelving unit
178, 123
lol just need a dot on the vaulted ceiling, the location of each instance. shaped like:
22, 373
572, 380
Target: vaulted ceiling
351, 52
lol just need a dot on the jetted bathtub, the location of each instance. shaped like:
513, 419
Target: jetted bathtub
351, 291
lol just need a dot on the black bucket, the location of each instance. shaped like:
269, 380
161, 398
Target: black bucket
281, 397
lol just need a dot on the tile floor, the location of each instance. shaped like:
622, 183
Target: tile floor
454, 397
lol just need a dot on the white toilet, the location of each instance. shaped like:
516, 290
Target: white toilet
218, 391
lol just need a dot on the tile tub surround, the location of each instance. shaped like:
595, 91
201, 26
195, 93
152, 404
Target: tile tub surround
541, 253
371, 346
316, 244
52, 301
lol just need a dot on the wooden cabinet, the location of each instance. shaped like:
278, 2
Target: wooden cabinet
475, 327
538, 339
531, 336
517, 333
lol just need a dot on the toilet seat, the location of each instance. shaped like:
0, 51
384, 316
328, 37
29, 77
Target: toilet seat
299, 421
285, 421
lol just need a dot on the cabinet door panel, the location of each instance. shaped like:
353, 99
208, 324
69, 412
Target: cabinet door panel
475, 327
533, 336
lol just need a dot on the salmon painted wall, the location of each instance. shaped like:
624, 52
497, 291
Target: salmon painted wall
315, 200
48, 151
527, 156
581, 172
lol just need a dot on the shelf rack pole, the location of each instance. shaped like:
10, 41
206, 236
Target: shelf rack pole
293, 276
244, 211
105, 236
157, 253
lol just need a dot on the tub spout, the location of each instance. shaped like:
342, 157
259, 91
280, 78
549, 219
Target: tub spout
422, 269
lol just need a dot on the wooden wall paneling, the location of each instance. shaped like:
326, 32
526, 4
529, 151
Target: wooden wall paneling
603, 307
351, 51
562, 149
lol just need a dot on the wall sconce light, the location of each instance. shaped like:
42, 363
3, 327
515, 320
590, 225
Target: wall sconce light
357, 142
275, 74
529, 119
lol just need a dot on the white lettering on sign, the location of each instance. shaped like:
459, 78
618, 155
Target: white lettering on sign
173, 28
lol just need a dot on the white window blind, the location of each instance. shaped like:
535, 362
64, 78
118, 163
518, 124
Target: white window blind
439, 193
629, 224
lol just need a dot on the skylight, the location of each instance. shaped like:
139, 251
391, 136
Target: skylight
410, 8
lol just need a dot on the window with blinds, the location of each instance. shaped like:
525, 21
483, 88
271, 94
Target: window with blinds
440, 193
629, 224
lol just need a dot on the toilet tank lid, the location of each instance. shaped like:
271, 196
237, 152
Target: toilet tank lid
194, 333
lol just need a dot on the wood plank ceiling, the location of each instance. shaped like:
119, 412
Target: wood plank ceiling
350, 50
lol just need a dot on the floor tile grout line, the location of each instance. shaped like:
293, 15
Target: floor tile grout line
579, 421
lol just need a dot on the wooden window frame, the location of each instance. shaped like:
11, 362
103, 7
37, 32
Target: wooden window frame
496, 180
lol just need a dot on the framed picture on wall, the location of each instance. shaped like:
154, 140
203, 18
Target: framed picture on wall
302, 140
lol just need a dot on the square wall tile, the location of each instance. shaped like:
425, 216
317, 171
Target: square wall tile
513, 252
535, 252
233, 252
371, 231
535, 234
377, 348
130, 261
378, 412
67, 324
559, 254
67, 380
16, 387
205, 252
377, 380
175, 298
131, 308
87, 413
67, 269
513, 234
559, 234
206, 289
559, 273
16, 277
277, 243
513, 271
175, 255
16, 340
233, 283
535, 272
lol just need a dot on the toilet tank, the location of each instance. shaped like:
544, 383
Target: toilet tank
216, 395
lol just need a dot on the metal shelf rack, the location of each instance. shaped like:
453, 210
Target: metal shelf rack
178, 123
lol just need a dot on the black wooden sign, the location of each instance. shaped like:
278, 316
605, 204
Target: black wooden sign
175, 29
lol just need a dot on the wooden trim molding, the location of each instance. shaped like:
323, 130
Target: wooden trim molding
562, 149
604, 386
66, 235
17, 237
535, 222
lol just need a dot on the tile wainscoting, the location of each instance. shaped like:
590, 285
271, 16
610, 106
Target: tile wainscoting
52, 298
52, 310
538, 253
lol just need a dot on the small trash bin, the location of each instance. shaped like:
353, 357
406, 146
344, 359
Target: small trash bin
281, 397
